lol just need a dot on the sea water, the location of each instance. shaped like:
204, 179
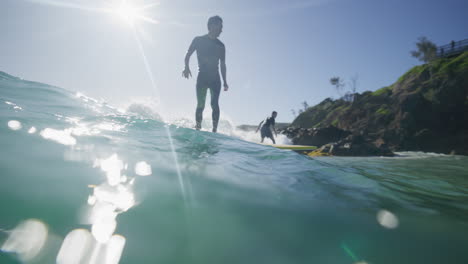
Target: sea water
84, 182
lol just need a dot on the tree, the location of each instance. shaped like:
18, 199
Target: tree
338, 83
348, 97
293, 113
426, 50
354, 83
305, 105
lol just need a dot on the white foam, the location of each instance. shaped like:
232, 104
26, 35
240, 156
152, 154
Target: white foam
145, 107
418, 155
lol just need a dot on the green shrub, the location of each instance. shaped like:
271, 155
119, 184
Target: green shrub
383, 110
382, 91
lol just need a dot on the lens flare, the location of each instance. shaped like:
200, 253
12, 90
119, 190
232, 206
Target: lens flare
131, 13
27, 239
142, 168
14, 125
387, 219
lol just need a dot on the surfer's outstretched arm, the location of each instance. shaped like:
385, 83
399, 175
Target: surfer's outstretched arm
186, 73
259, 125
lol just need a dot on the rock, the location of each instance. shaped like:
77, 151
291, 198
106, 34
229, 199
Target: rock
317, 136
338, 142
360, 148
353, 145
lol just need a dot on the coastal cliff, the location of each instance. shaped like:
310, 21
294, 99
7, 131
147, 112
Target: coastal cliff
426, 109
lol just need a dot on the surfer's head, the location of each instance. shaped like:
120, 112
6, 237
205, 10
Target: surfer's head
274, 114
215, 26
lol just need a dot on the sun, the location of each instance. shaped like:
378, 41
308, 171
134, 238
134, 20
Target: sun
128, 12
131, 13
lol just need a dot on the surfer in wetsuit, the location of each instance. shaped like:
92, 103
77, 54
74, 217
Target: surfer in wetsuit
210, 53
268, 127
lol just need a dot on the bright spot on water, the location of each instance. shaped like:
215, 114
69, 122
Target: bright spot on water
74, 247
96, 211
16, 107
109, 126
112, 166
121, 197
81, 130
72, 120
103, 229
61, 136
103, 221
114, 249
84, 97
387, 219
143, 169
109, 199
91, 200
14, 124
27, 239
79, 247
32, 130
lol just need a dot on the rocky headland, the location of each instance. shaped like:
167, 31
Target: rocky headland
426, 109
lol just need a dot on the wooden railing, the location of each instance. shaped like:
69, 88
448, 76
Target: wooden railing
453, 48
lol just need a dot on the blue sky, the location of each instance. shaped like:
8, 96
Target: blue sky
279, 53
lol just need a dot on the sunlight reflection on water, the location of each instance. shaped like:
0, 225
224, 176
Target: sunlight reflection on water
14, 125
108, 200
32, 130
387, 219
61, 136
26, 239
142, 168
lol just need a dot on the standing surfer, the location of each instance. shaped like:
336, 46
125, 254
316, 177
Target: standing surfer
210, 53
268, 127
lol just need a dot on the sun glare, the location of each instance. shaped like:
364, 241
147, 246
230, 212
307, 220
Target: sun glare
132, 13
127, 12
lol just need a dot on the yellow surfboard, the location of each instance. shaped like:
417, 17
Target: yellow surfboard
293, 147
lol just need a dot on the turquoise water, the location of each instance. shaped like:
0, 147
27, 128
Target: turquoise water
209, 198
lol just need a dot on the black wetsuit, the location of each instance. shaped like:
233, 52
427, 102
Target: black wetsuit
266, 128
209, 53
